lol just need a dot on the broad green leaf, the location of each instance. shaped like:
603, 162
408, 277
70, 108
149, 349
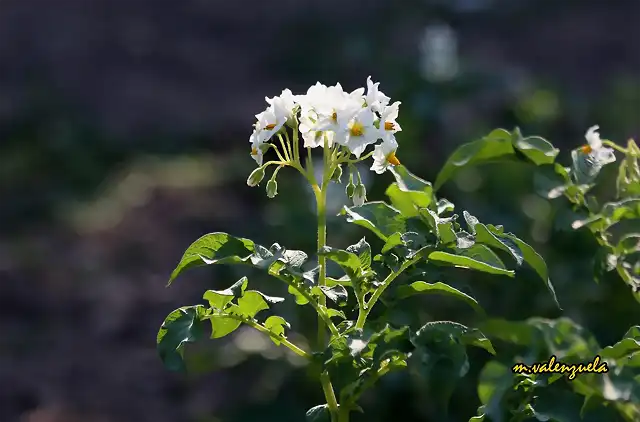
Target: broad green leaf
629, 345
531, 257
495, 239
421, 287
496, 146
382, 219
223, 324
363, 250
453, 330
483, 254
214, 248
409, 192
392, 241
219, 299
348, 261
276, 324
253, 302
184, 325
538, 150
318, 413
466, 262
494, 382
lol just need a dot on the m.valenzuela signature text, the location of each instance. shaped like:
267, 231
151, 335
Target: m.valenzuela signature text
552, 366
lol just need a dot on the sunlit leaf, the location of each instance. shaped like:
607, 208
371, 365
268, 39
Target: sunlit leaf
276, 324
496, 146
363, 250
382, 219
466, 262
214, 248
421, 287
220, 298
538, 150
318, 413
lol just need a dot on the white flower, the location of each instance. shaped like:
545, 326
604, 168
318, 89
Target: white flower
269, 123
384, 155
312, 137
594, 148
375, 99
256, 147
284, 104
359, 195
388, 124
360, 132
335, 108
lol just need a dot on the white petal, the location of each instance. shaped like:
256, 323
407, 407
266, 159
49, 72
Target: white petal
593, 137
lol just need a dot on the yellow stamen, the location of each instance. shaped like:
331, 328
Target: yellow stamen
254, 151
389, 126
334, 116
356, 129
392, 159
587, 149
270, 126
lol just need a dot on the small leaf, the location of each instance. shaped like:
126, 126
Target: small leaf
363, 251
444, 206
379, 217
335, 313
220, 298
538, 150
214, 248
223, 324
496, 146
421, 287
466, 262
392, 241
337, 294
629, 345
483, 254
499, 241
465, 335
253, 302
184, 325
276, 324
318, 413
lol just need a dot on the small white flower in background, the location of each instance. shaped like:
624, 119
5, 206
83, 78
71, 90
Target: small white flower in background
388, 124
359, 133
375, 99
269, 123
594, 148
384, 155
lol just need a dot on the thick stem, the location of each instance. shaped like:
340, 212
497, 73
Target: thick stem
321, 199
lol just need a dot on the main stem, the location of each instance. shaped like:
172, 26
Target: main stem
321, 202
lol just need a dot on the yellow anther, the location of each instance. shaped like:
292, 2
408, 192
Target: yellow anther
392, 159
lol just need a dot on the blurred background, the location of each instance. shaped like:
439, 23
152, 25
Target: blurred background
124, 131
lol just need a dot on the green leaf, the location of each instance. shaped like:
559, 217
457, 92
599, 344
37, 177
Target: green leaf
538, 150
629, 345
453, 330
382, 219
335, 313
409, 192
551, 182
348, 261
494, 147
219, 299
483, 254
223, 324
421, 287
253, 302
184, 325
363, 251
531, 257
276, 324
318, 413
214, 248
466, 262
337, 294
392, 241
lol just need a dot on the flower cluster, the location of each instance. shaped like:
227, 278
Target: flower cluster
328, 116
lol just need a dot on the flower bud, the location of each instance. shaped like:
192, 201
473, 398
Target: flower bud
350, 189
256, 177
272, 188
359, 195
337, 174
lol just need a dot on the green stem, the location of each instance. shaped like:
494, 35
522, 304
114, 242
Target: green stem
321, 199
284, 148
615, 146
295, 349
363, 312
